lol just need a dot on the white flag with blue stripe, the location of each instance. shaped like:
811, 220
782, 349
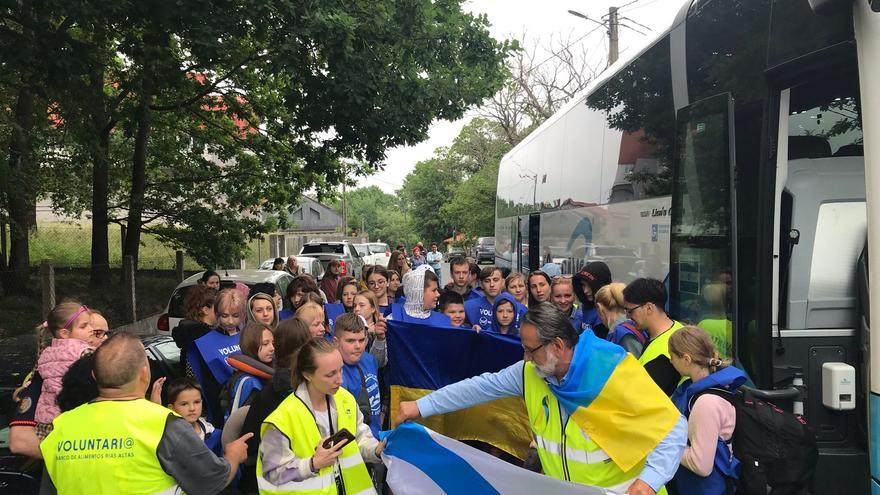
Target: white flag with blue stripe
424, 462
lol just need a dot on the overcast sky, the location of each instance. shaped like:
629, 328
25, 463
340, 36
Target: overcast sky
540, 21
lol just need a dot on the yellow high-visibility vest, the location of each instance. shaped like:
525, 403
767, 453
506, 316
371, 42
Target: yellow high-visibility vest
297, 422
566, 451
109, 447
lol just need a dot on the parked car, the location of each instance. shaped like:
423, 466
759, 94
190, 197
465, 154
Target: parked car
307, 264
455, 251
374, 253
174, 311
350, 261
484, 249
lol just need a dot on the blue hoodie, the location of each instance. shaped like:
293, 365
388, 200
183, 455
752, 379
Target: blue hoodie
513, 328
481, 312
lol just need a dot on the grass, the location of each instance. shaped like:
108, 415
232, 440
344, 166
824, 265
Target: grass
21, 313
70, 245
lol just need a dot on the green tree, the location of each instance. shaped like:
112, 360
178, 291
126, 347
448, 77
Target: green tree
192, 130
425, 190
472, 207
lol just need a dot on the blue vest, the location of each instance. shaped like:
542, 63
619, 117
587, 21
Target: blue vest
332, 311
249, 384
351, 381
726, 466
212, 441
212, 349
286, 314
589, 319
625, 328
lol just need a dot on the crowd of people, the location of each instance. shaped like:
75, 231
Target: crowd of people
285, 393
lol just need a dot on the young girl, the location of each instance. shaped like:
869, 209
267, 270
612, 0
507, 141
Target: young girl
504, 317
71, 327
292, 451
366, 307
206, 356
377, 282
624, 332
398, 263
345, 292
707, 460
253, 365
184, 396
296, 292
395, 293
539, 287
262, 309
516, 286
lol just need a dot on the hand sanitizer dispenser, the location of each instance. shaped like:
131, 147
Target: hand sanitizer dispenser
838, 386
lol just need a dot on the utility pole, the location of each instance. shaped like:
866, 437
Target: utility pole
612, 35
344, 212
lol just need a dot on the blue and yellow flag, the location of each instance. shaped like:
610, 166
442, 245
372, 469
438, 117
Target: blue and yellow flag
423, 358
611, 396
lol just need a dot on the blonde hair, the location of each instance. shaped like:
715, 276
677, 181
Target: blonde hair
309, 311
611, 297
230, 299
513, 276
696, 343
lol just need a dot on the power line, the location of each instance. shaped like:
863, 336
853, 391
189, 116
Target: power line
556, 53
637, 7
628, 4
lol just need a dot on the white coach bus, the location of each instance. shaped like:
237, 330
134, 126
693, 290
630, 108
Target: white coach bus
737, 158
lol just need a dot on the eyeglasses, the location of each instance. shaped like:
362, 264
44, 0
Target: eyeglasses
100, 334
531, 352
629, 311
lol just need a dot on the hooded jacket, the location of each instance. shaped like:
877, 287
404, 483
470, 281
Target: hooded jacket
596, 275
267, 297
481, 312
513, 329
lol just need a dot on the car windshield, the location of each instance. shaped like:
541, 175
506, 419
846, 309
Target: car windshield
323, 248
378, 248
362, 249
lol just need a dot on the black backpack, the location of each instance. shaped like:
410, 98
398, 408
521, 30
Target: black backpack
776, 449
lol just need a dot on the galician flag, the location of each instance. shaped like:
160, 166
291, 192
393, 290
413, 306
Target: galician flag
423, 462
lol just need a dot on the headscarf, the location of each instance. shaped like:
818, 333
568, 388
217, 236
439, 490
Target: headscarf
413, 284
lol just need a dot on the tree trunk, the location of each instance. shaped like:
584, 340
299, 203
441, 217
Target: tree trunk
139, 172
100, 269
20, 195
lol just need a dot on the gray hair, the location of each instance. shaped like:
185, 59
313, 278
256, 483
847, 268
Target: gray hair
551, 323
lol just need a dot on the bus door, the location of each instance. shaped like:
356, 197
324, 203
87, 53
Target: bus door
701, 285
820, 222
534, 247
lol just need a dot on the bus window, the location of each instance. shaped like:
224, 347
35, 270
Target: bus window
638, 143
701, 282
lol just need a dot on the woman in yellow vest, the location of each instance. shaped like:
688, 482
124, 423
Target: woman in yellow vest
292, 457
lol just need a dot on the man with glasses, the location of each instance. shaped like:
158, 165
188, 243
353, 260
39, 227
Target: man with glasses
644, 302
596, 416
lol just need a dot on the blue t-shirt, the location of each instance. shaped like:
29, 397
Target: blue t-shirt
351, 381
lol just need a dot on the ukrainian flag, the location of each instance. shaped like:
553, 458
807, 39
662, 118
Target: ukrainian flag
423, 358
